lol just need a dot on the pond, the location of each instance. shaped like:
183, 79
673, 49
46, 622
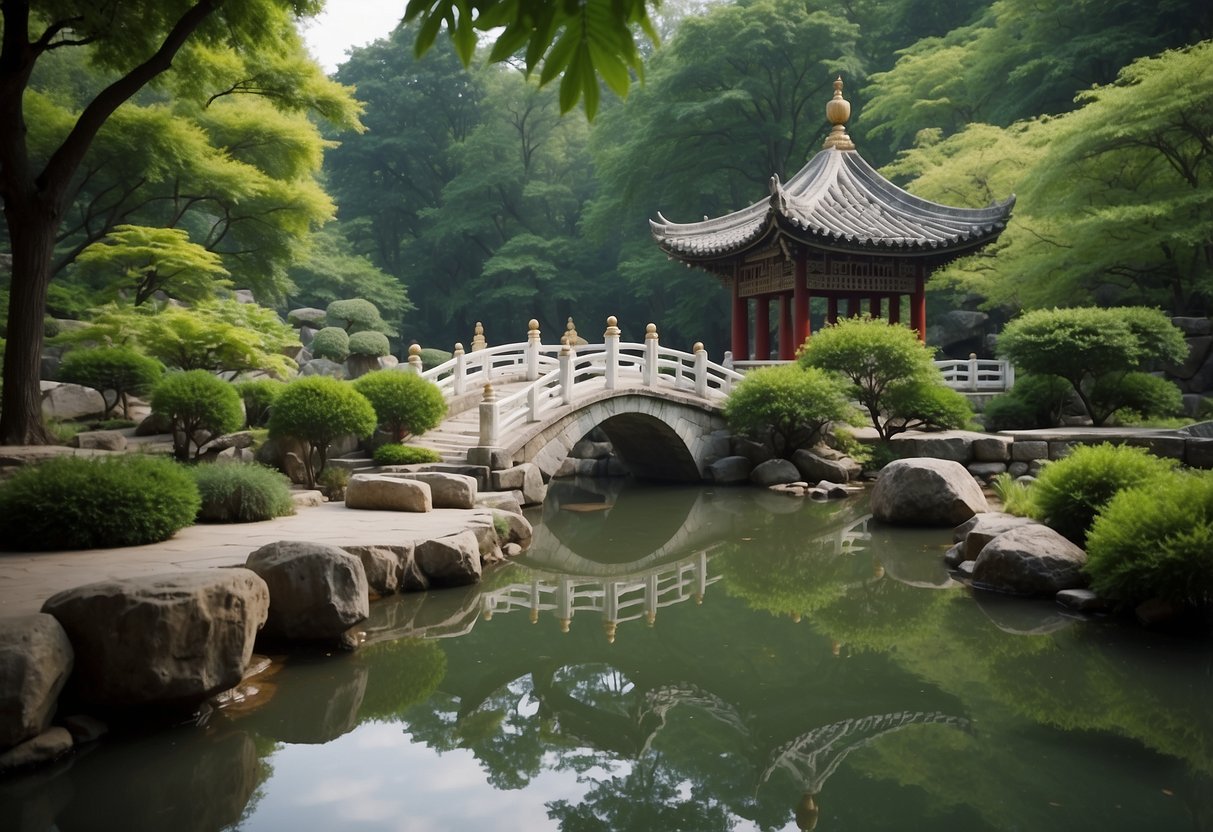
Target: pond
685, 659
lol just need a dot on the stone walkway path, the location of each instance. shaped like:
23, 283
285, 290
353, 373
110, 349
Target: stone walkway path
29, 578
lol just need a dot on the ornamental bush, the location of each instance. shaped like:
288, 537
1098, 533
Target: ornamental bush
85, 503
1156, 541
790, 405
925, 404
119, 371
332, 343
1071, 491
404, 402
432, 357
1137, 396
393, 454
240, 493
1036, 401
355, 315
316, 410
370, 343
198, 406
258, 396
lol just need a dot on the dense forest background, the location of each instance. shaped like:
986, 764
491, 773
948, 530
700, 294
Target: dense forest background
448, 195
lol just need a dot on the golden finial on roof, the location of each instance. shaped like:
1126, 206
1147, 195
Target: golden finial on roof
838, 110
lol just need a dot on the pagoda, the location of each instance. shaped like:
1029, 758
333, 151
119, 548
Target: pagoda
837, 230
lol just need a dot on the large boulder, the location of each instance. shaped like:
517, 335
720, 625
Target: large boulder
316, 591
99, 440
308, 316
379, 492
774, 472
64, 402
526, 478
519, 531
979, 530
814, 466
956, 445
731, 470
173, 639
35, 662
450, 561
1030, 560
382, 565
446, 490
926, 492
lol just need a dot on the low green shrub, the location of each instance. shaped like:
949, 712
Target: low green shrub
1137, 396
239, 493
393, 454
116, 371
1156, 541
787, 405
374, 344
1036, 401
405, 403
432, 357
332, 343
63, 432
1070, 492
317, 410
928, 405
1016, 497
356, 315
258, 396
200, 406
84, 503
333, 482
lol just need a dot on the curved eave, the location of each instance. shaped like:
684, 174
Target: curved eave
839, 202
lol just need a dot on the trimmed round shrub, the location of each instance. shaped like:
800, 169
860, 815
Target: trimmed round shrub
316, 410
1138, 395
354, 315
393, 454
239, 493
332, 343
258, 396
405, 403
84, 503
118, 369
369, 343
431, 357
788, 405
928, 405
1036, 401
1071, 491
199, 407
1156, 541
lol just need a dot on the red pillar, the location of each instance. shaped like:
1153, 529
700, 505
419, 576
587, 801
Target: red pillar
800, 302
853, 310
874, 306
762, 328
741, 324
918, 310
787, 343
895, 309
832, 310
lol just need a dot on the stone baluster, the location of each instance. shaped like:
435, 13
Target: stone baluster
650, 355
415, 358
611, 337
570, 335
489, 418
1008, 375
701, 369
972, 371
461, 368
566, 374
478, 339
532, 350
533, 397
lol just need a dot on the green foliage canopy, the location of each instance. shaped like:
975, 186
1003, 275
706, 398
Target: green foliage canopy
316, 410
118, 369
790, 405
199, 406
404, 402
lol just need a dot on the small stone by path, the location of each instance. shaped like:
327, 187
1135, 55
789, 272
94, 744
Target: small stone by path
29, 578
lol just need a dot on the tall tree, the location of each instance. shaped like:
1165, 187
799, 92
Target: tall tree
132, 43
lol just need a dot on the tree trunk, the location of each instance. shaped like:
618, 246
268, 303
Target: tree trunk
32, 235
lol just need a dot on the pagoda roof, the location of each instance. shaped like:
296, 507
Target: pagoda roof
837, 202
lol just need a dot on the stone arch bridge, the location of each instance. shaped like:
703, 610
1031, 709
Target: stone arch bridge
531, 402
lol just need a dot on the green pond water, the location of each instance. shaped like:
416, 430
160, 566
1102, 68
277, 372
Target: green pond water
687, 659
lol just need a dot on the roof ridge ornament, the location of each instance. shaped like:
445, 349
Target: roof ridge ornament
838, 110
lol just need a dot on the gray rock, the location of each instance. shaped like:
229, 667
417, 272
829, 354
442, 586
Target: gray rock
986, 471
520, 529
316, 591
732, 470
957, 326
1083, 600
387, 362
955, 445
446, 490
450, 561
307, 316
1027, 450
1194, 326
774, 472
35, 662
814, 466
99, 440
85, 728
382, 565
985, 527
379, 492
566, 468
239, 439
511, 550
154, 425
585, 449
1030, 560
1017, 469
64, 402
755, 452
955, 555
992, 449
499, 499
322, 367
716, 446
926, 492
526, 478
1198, 453
173, 639
307, 498
356, 366
43, 748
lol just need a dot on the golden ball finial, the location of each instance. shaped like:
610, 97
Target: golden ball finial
532, 324
612, 320
414, 349
838, 111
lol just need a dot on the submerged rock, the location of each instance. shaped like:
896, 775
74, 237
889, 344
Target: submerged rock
926, 492
35, 662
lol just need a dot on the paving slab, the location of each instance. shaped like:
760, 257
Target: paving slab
29, 578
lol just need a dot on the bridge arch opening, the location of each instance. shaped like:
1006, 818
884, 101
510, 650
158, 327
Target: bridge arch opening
650, 448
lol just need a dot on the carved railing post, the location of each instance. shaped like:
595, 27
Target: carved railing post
701, 369
414, 364
1008, 375
611, 337
972, 371
461, 368
532, 350
478, 339
650, 355
566, 374
488, 417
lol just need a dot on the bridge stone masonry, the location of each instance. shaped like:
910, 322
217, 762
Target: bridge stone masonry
531, 402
